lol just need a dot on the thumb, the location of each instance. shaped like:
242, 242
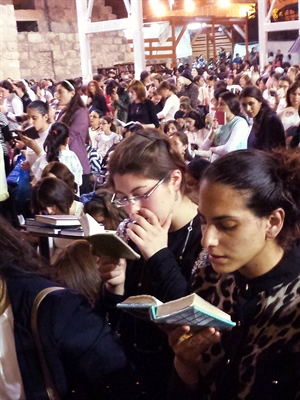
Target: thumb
166, 225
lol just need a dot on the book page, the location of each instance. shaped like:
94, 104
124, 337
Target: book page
90, 226
191, 300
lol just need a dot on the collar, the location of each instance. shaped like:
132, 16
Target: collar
284, 272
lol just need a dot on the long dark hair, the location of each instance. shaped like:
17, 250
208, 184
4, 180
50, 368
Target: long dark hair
292, 89
75, 103
49, 192
253, 91
268, 180
16, 253
57, 136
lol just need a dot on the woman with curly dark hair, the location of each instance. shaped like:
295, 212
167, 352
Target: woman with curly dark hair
267, 131
76, 116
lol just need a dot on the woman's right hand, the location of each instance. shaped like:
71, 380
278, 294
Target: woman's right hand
112, 272
25, 166
188, 350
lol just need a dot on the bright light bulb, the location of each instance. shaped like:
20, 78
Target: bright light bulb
223, 3
189, 5
158, 8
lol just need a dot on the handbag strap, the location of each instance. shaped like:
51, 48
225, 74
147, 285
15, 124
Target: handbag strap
50, 386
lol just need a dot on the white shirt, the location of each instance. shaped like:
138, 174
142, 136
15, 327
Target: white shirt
31, 156
171, 106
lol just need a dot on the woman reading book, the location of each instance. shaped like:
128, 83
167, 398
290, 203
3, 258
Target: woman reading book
250, 219
147, 175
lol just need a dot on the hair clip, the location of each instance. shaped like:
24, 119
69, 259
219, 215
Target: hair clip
54, 131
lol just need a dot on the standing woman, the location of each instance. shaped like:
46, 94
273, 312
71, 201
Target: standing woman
267, 130
233, 134
141, 109
172, 102
96, 98
249, 205
12, 105
147, 175
76, 117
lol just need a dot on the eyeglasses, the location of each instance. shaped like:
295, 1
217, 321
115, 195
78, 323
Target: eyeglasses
94, 116
125, 201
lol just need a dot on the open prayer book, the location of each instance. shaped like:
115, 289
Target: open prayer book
105, 242
125, 124
189, 310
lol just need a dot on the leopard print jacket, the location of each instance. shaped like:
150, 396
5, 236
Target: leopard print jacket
260, 357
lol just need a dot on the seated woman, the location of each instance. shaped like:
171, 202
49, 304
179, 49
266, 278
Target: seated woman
103, 210
81, 352
196, 133
249, 205
267, 131
57, 149
234, 134
77, 268
290, 116
147, 175
54, 197
106, 137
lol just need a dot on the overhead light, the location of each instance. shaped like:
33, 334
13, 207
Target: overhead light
158, 8
189, 5
223, 3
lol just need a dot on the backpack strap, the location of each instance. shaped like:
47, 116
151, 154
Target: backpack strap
48, 380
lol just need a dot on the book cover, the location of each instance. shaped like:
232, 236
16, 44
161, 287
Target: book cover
125, 124
42, 229
72, 232
59, 220
189, 310
106, 242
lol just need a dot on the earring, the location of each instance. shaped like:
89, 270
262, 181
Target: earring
176, 196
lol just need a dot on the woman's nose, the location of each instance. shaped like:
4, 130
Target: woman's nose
209, 236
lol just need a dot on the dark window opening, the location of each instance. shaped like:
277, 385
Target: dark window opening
27, 26
24, 4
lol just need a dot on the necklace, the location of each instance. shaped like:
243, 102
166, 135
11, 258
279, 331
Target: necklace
189, 229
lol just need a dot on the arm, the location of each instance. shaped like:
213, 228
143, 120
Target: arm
79, 127
239, 134
166, 109
152, 115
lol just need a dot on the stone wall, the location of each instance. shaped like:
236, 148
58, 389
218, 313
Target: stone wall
9, 64
54, 51
57, 56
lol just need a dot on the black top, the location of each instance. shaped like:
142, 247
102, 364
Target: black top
144, 112
164, 276
269, 134
99, 102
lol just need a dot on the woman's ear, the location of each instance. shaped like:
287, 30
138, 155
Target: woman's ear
275, 223
176, 179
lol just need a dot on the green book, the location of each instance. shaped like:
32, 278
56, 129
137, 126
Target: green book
190, 310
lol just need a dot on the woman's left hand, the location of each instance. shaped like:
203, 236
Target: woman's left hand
147, 232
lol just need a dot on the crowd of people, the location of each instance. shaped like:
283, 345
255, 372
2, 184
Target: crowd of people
198, 170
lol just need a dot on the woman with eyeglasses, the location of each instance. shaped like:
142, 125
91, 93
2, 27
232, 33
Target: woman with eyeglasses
106, 137
147, 175
94, 128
